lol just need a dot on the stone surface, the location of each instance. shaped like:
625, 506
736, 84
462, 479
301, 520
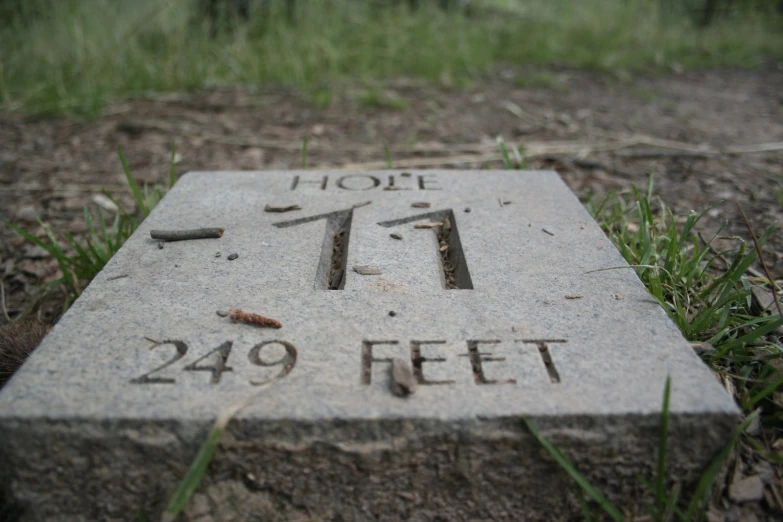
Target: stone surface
105, 417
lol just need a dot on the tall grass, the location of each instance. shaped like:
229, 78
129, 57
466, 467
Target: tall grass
63, 56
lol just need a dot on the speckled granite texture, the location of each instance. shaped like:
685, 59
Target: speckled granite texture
90, 429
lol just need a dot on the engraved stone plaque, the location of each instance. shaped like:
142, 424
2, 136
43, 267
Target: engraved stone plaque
422, 314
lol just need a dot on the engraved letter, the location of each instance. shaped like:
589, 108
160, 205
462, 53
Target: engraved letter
373, 182
417, 360
368, 359
476, 358
295, 183
543, 349
423, 181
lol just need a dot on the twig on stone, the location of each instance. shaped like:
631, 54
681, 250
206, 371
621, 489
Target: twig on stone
238, 316
183, 235
428, 225
289, 208
367, 270
402, 380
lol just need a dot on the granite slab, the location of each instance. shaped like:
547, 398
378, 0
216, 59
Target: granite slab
491, 299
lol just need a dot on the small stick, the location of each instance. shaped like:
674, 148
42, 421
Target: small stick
547, 231
402, 379
237, 315
367, 270
289, 208
427, 225
182, 235
420, 204
117, 277
772, 284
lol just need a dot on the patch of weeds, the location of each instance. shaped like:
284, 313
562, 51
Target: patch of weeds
381, 99
707, 293
779, 193
319, 98
543, 79
647, 95
666, 502
79, 262
518, 162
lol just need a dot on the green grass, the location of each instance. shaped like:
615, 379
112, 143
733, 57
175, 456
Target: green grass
706, 292
73, 56
80, 261
381, 99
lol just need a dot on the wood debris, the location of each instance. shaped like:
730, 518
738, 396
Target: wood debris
573, 297
238, 316
427, 225
420, 204
403, 382
184, 235
367, 270
395, 236
547, 232
288, 208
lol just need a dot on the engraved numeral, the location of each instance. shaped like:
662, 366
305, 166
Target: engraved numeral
330, 274
455, 268
287, 361
181, 350
218, 357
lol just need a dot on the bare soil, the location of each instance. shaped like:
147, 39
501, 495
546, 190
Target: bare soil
52, 168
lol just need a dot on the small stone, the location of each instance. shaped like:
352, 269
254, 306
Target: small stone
395, 236
233, 256
28, 213
217, 254
222, 313
160, 245
392, 313
749, 489
702, 348
467, 209
367, 270
402, 380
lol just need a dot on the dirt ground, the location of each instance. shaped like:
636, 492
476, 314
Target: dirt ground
702, 134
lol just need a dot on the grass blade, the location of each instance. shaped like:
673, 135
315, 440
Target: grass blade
583, 483
137, 195
764, 393
708, 477
387, 152
663, 440
172, 170
198, 467
304, 152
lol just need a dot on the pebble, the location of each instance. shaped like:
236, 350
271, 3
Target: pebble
749, 489
233, 256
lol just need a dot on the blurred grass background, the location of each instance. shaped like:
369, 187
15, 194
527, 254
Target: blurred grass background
75, 56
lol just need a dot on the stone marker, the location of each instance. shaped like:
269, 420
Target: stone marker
500, 312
